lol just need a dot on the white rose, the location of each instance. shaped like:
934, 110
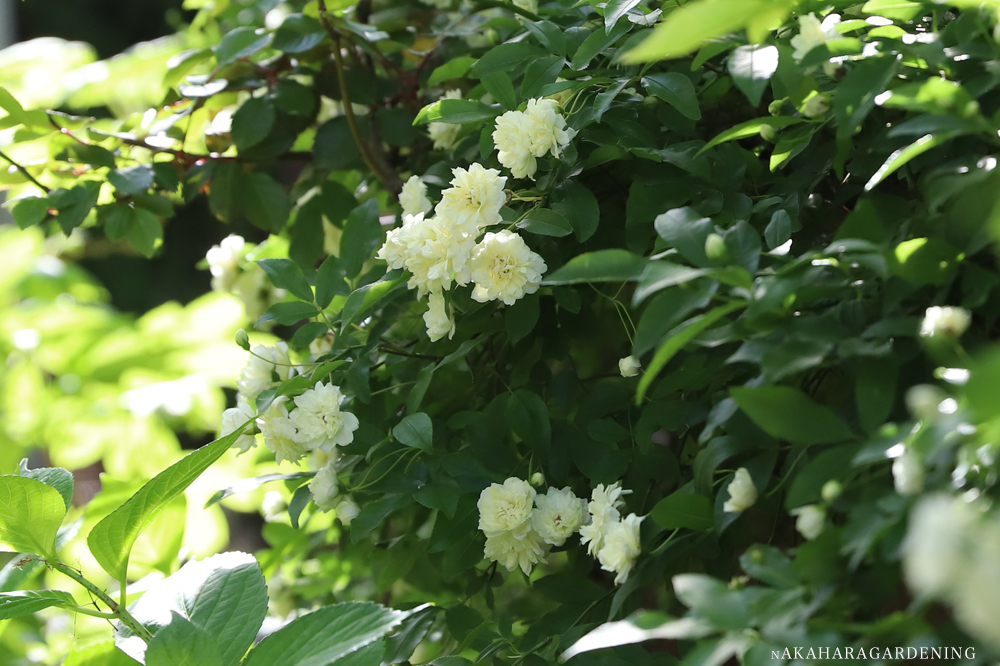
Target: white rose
621, 547
504, 268
272, 506
347, 510
742, 492
413, 197
232, 419
945, 322
506, 508
224, 261
812, 33
319, 420
976, 598
439, 322
436, 254
817, 104
922, 401
629, 366
511, 551
546, 127
605, 501
557, 515
513, 144
474, 199
939, 540
324, 488
810, 520
280, 434
265, 367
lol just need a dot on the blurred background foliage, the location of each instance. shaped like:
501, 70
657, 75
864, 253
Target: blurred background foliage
103, 346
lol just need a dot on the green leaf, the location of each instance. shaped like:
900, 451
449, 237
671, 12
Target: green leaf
16, 604
545, 222
549, 35
614, 10
57, 477
362, 234
612, 265
686, 230
639, 627
456, 112
181, 643
778, 230
750, 128
133, 179
240, 43
901, 10
364, 298
30, 211
112, 538
660, 274
669, 347
900, 157
415, 430
73, 205
144, 232
325, 635
288, 312
521, 317
769, 565
856, 94
246, 485
676, 90
787, 413
330, 282
30, 515
665, 311
751, 67
687, 510
504, 58
453, 69
499, 85
252, 122
688, 27
224, 595
875, 391
528, 418
298, 33
399, 647
924, 260
596, 42
286, 274
264, 201
540, 73
579, 206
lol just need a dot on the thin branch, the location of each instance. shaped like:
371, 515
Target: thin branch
24, 172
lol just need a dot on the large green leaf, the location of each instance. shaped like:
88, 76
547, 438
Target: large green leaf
789, 414
681, 509
224, 595
30, 515
415, 430
669, 347
57, 477
181, 643
687, 28
676, 90
362, 234
322, 637
16, 604
601, 266
112, 538
99, 654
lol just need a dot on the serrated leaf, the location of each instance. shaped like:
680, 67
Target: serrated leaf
252, 122
182, 643
286, 274
133, 179
223, 595
240, 43
325, 635
112, 538
57, 477
30, 515
16, 604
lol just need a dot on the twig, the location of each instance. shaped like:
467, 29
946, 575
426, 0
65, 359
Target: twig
24, 172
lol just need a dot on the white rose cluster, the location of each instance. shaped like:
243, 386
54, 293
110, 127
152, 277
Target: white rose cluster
521, 137
521, 525
950, 554
234, 273
325, 489
442, 251
312, 421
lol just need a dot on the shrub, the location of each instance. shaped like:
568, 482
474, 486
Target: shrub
596, 324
